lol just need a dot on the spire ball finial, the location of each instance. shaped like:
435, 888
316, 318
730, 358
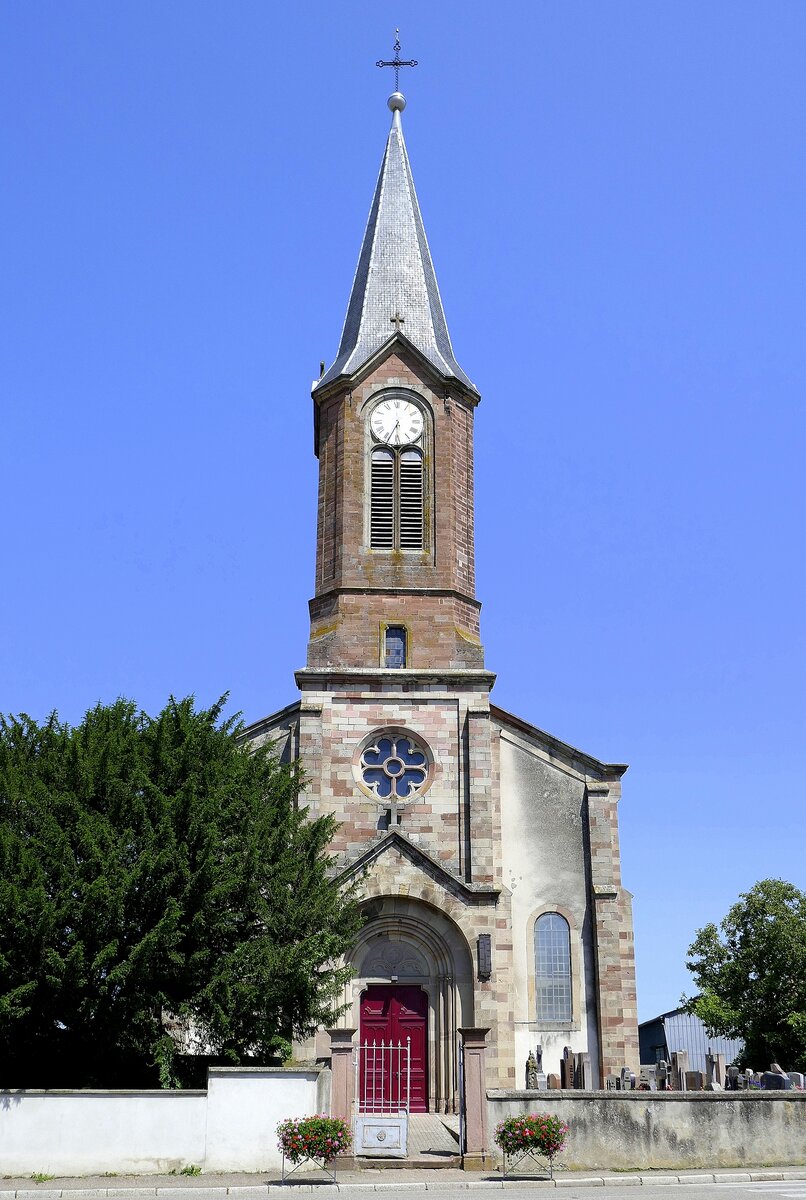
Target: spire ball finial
397, 102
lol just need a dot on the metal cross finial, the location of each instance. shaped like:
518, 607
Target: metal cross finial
397, 62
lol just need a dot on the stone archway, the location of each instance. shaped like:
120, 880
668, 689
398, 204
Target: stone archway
406, 941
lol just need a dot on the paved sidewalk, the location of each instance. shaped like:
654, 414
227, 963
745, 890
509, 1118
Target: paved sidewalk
258, 1186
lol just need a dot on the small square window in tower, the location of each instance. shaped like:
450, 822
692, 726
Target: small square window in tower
394, 646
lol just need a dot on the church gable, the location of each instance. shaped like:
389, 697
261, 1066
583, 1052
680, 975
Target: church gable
394, 862
280, 728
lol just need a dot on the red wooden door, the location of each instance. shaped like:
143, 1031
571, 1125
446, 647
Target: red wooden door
391, 1013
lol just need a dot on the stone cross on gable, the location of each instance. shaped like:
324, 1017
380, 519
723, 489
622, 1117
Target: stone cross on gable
391, 807
397, 320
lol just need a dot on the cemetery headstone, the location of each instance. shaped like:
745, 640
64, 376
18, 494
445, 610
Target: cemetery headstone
733, 1076
662, 1075
714, 1071
679, 1069
797, 1078
540, 1076
583, 1078
772, 1081
612, 1083
695, 1081
554, 1082
567, 1068
626, 1079
652, 1078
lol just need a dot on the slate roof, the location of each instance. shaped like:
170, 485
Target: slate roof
395, 274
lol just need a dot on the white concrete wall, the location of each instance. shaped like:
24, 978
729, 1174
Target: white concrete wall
244, 1107
85, 1133
544, 864
231, 1126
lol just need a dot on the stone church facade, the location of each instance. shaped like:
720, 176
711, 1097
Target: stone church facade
487, 849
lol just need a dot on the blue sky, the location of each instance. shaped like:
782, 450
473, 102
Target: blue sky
614, 196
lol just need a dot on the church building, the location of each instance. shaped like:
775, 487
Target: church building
487, 849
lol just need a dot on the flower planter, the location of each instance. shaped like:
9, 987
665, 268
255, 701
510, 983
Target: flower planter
535, 1137
316, 1140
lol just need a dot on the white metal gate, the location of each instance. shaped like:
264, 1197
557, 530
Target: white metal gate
382, 1098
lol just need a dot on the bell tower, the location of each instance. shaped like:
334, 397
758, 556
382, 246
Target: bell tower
393, 431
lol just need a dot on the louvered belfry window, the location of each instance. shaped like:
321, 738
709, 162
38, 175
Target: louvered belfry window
396, 499
410, 467
382, 503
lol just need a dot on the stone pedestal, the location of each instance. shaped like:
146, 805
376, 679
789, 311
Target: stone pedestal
474, 1046
342, 1081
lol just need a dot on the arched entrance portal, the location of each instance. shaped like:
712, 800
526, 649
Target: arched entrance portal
413, 972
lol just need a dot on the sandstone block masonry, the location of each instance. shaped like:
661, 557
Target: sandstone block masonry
358, 589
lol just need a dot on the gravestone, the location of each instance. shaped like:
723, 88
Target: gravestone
772, 1081
732, 1079
582, 1072
679, 1069
695, 1081
652, 1078
626, 1080
714, 1072
797, 1078
541, 1075
612, 1083
662, 1075
567, 1068
554, 1083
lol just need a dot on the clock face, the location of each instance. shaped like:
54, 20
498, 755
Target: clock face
397, 422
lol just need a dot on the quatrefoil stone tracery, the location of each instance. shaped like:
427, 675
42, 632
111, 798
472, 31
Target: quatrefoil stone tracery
394, 767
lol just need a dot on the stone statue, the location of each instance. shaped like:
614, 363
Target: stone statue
531, 1073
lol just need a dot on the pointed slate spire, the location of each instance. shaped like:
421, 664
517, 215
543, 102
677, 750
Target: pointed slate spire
395, 275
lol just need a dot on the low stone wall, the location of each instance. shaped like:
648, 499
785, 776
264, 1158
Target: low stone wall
676, 1130
229, 1127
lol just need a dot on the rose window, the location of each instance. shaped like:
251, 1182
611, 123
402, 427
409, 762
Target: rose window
394, 767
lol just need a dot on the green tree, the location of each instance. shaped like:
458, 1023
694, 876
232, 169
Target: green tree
158, 870
751, 974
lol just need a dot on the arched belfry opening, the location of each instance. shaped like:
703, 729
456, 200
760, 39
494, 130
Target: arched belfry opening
413, 969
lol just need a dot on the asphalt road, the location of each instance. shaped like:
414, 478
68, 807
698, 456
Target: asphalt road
410, 1184
794, 1189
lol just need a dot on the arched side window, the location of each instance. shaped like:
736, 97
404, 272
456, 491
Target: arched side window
553, 968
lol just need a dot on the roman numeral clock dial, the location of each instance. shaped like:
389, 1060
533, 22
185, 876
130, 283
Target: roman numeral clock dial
397, 422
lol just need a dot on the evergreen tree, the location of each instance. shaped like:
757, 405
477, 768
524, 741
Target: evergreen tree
155, 873
751, 972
